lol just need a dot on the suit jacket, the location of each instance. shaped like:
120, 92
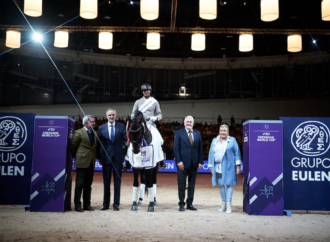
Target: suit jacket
81, 148
114, 148
183, 151
231, 158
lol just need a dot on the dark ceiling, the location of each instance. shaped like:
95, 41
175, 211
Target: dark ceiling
294, 14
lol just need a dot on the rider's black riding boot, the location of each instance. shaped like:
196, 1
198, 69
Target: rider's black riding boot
151, 207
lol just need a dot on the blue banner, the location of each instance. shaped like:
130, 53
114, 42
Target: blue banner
16, 147
170, 167
306, 163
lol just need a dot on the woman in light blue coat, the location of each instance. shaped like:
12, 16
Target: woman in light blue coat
224, 163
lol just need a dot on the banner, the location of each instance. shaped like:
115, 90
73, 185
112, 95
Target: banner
170, 167
263, 167
306, 165
16, 144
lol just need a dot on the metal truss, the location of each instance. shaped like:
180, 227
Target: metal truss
171, 29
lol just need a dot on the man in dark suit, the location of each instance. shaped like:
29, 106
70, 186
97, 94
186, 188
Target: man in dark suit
188, 153
111, 135
83, 147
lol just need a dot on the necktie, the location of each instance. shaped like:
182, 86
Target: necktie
112, 134
190, 138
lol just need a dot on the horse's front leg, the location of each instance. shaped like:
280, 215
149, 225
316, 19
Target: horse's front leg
135, 189
149, 183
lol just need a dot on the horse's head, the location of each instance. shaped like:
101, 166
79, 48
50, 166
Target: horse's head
136, 129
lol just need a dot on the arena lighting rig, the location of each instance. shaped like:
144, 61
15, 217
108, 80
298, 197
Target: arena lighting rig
40, 41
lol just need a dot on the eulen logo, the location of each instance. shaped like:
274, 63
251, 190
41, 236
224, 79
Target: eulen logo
311, 138
13, 133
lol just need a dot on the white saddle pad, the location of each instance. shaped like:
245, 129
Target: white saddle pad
157, 151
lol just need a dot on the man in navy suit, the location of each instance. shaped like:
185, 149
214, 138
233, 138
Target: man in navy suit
188, 153
111, 135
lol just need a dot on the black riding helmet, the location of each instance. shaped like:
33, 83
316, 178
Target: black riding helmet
146, 86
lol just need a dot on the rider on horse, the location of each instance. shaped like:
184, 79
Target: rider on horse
150, 109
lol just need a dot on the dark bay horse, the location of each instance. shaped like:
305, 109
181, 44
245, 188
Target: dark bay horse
140, 135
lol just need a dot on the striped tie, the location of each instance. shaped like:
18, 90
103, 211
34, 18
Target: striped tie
190, 138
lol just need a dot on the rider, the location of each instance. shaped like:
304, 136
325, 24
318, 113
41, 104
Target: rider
150, 108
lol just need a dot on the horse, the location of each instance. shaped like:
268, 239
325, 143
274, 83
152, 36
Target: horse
140, 137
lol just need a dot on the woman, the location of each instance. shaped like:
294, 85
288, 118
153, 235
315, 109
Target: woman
224, 160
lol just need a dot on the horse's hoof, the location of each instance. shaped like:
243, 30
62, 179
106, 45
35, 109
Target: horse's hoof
151, 207
140, 201
134, 207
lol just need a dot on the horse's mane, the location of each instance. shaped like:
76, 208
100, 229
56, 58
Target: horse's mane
137, 114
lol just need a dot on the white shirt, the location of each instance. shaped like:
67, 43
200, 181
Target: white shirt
219, 152
192, 135
114, 129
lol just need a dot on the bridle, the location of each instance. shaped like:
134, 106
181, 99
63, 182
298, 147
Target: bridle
142, 141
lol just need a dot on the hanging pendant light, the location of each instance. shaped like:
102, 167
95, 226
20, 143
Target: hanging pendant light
105, 40
33, 8
198, 42
88, 9
13, 39
326, 10
153, 41
294, 43
208, 9
269, 10
149, 9
245, 42
61, 39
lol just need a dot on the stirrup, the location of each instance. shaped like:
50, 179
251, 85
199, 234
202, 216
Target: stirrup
134, 207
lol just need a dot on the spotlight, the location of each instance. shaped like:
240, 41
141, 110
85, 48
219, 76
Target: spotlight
243, 3
37, 37
314, 41
222, 2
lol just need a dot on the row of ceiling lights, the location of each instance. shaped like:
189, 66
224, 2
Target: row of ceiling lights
13, 40
149, 11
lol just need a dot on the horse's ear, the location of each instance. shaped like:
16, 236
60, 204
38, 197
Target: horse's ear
128, 119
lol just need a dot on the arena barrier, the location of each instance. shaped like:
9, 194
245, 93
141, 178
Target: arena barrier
263, 167
306, 164
16, 146
52, 164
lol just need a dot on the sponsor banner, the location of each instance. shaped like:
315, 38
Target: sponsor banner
170, 167
52, 164
263, 156
306, 163
16, 145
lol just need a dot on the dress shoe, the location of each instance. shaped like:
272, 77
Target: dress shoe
88, 208
115, 208
104, 208
191, 207
79, 210
182, 209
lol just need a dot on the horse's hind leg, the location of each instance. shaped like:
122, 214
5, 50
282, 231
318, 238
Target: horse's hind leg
135, 190
142, 186
154, 183
149, 183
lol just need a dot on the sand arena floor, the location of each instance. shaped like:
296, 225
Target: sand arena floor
166, 223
